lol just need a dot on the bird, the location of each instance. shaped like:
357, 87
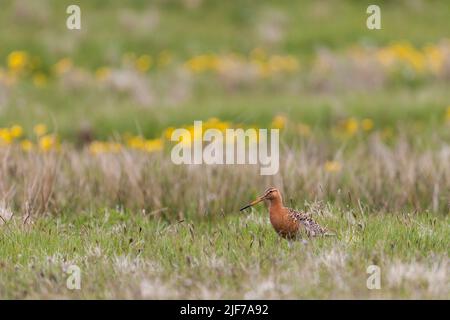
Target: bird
287, 222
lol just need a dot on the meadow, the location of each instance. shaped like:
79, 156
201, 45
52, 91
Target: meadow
86, 177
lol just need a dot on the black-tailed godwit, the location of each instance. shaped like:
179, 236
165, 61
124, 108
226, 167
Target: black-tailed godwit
287, 222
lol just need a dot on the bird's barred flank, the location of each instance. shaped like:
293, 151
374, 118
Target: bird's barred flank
287, 222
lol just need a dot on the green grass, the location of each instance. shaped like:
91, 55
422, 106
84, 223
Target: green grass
131, 255
231, 27
402, 184
109, 114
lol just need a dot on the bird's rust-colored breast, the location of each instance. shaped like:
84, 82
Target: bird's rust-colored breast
283, 224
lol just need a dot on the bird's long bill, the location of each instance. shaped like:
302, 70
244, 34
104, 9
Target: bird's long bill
252, 203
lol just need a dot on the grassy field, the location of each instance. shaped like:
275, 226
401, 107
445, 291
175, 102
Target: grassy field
86, 177
128, 255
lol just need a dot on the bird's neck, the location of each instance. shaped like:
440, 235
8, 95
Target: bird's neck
276, 203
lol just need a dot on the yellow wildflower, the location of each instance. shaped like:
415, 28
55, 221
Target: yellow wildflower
333, 166
367, 124
26, 145
351, 126
102, 73
96, 147
279, 122
17, 60
447, 116
40, 129
168, 132
212, 120
192, 131
187, 137
143, 63
410, 55
16, 131
283, 63
136, 142
214, 123
63, 66
153, 145
5, 136
202, 63
435, 58
47, 142
386, 56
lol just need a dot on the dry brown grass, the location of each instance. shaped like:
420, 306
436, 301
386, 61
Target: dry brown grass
384, 178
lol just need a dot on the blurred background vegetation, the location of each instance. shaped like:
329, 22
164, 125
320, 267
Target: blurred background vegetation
141, 67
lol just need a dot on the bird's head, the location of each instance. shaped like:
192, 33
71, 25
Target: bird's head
270, 194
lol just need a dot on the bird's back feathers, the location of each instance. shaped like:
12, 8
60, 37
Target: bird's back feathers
311, 227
